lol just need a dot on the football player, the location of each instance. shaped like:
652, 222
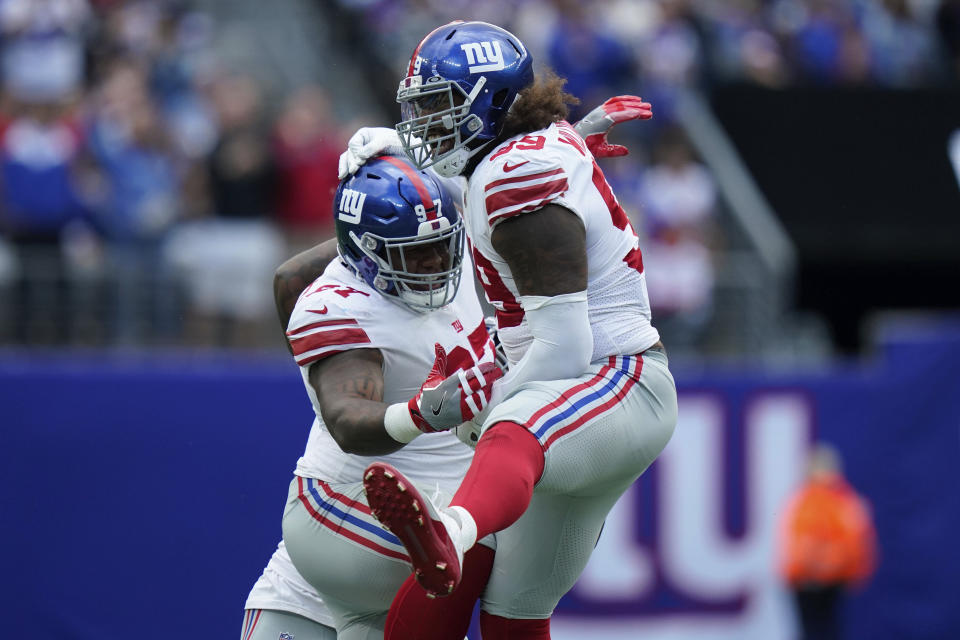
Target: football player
366, 333
588, 402
282, 601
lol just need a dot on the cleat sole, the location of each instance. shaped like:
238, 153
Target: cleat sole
404, 512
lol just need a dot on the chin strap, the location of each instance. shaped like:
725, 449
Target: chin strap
457, 161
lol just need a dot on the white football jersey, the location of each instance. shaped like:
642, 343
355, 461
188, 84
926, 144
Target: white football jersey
340, 311
282, 588
554, 166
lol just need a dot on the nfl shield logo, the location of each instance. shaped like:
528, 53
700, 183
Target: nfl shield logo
285, 636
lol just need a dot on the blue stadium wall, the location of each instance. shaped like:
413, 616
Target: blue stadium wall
141, 496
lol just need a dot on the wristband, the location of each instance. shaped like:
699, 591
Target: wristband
399, 424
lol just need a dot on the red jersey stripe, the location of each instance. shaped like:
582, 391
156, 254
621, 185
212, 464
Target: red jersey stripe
533, 206
617, 214
323, 323
479, 338
569, 135
507, 319
533, 195
524, 178
328, 338
497, 292
634, 257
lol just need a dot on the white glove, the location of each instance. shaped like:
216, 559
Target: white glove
366, 143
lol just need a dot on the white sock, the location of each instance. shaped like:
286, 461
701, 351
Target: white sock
468, 526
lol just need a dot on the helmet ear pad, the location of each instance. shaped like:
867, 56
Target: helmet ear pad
497, 110
384, 212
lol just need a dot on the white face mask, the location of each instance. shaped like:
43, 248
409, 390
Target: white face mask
418, 291
418, 132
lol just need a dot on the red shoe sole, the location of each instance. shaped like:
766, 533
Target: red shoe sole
401, 509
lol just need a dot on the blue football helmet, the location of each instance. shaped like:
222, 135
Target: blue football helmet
462, 79
391, 221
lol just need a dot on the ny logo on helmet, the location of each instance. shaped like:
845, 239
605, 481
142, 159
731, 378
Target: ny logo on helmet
484, 56
351, 205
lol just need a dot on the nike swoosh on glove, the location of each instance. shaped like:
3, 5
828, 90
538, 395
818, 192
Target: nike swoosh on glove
595, 126
448, 399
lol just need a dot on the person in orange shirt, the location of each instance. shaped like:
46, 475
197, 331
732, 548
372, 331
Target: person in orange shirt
827, 544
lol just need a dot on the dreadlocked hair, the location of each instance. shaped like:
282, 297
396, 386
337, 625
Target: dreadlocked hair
539, 105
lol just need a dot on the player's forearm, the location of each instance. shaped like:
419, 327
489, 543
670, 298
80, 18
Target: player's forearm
562, 344
349, 389
357, 426
294, 275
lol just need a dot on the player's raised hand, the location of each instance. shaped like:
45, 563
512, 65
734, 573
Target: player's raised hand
448, 399
366, 143
595, 126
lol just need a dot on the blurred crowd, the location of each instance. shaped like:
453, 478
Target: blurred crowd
604, 45
140, 176
661, 48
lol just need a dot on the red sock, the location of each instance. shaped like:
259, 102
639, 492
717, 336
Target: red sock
496, 628
414, 616
499, 483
